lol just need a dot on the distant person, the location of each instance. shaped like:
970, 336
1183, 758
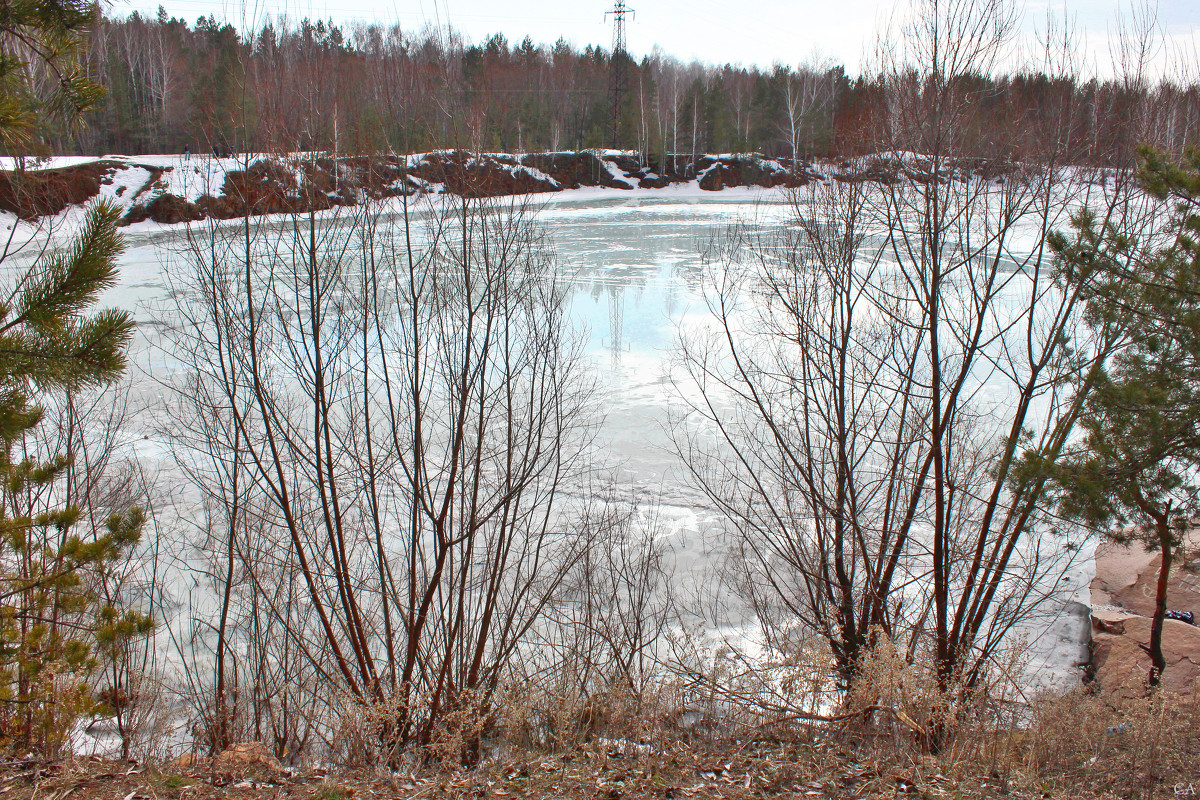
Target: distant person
187, 153
216, 151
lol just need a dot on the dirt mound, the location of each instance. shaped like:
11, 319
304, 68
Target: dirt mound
575, 170
987, 168
166, 208
31, 194
468, 175
874, 170
265, 187
299, 185
375, 176
717, 173
652, 180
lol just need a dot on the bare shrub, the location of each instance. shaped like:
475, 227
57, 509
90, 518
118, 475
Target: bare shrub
876, 371
603, 667
382, 421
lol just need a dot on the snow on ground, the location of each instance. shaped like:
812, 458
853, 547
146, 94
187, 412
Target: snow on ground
192, 177
535, 173
617, 174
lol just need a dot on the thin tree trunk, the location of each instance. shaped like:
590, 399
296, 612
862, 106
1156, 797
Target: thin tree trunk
1157, 660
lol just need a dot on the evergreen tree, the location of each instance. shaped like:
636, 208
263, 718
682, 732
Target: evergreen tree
1139, 463
50, 619
42, 84
50, 346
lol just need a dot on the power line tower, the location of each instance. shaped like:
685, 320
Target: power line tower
616, 322
617, 67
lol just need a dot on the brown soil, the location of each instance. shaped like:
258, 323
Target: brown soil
490, 176
267, 187
31, 194
270, 187
742, 171
655, 182
166, 208
574, 170
874, 171
816, 770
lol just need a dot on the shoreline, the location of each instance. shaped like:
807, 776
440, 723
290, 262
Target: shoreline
173, 189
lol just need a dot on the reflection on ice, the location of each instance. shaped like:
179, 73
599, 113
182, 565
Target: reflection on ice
633, 265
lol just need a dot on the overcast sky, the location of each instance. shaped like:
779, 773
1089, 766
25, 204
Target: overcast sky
717, 31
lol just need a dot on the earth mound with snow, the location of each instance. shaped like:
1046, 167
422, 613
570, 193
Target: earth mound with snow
184, 188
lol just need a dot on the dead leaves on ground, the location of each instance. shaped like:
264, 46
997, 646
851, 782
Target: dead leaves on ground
612, 771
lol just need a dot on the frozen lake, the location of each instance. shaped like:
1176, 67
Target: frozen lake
634, 264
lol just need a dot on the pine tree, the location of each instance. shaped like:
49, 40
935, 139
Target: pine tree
49, 616
43, 86
51, 622
1140, 460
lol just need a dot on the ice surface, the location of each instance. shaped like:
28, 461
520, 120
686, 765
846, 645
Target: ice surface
633, 261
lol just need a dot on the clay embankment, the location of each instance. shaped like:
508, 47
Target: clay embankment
37, 193
174, 189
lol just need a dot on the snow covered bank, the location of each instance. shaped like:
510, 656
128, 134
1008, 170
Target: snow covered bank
170, 189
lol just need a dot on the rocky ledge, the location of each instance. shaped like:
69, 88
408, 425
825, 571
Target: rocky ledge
1123, 594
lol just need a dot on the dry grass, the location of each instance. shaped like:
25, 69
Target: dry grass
618, 744
811, 769
1134, 748
1072, 747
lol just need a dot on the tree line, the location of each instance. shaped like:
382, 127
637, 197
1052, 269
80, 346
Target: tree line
371, 88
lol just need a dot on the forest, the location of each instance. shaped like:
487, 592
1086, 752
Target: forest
369, 89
